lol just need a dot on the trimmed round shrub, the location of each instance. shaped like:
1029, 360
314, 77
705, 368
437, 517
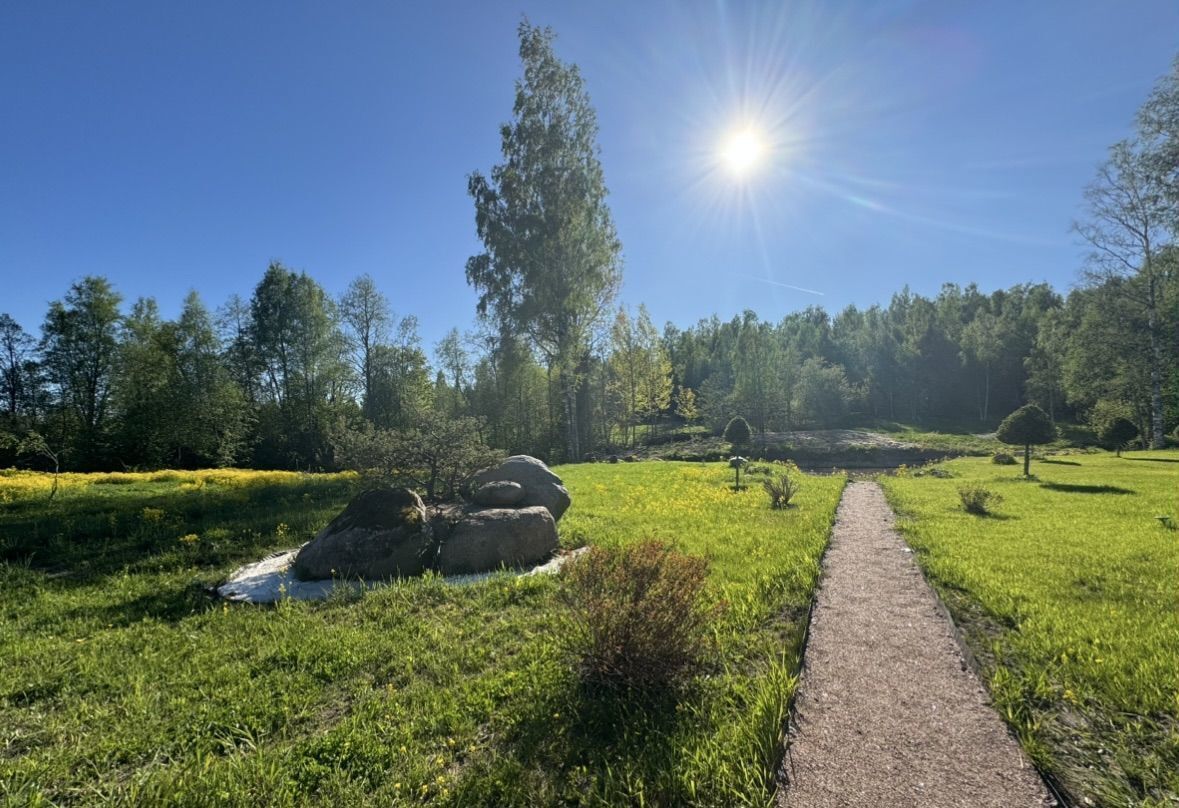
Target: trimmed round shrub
1117, 432
1027, 426
738, 433
1003, 459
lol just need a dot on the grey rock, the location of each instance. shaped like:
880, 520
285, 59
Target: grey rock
498, 537
499, 494
541, 486
381, 534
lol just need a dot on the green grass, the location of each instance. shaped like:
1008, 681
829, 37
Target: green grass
125, 683
1069, 595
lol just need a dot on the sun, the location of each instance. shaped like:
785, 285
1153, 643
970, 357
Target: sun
742, 150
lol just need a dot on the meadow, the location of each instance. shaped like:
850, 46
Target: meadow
125, 682
1068, 595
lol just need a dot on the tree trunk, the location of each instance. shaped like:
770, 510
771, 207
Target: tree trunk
1157, 439
986, 393
569, 390
1027, 459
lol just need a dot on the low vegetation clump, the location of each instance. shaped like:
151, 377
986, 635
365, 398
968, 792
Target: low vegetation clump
639, 618
1003, 459
781, 489
124, 682
1068, 602
978, 500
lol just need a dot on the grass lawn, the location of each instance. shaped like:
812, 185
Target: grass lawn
123, 682
1069, 594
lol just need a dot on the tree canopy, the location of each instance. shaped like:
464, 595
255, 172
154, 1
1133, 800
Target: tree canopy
1026, 427
551, 264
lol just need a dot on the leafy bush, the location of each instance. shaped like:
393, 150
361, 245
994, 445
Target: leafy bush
781, 490
1117, 432
977, 499
435, 456
738, 432
1003, 459
638, 615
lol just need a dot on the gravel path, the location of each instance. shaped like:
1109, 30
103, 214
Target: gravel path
887, 713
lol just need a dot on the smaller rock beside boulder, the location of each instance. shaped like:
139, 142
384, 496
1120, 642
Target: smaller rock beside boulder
499, 494
381, 534
541, 486
488, 539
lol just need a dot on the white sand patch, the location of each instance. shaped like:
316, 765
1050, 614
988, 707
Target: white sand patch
272, 579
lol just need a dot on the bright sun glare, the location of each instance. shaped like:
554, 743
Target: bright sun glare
741, 151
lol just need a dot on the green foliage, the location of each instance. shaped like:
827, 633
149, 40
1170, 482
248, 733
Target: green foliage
436, 455
638, 615
737, 432
1067, 599
822, 394
296, 338
781, 489
1003, 459
1117, 433
977, 499
639, 379
79, 352
1027, 426
552, 260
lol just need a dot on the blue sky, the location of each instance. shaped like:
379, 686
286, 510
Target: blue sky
171, 146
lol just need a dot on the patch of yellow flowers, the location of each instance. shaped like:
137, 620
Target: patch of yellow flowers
17, 484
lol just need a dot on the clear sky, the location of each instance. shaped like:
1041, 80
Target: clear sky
171, 146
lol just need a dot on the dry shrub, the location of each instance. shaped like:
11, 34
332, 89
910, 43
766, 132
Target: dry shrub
978, 500
638, 615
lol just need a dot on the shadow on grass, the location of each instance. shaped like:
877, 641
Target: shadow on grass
1077, 488
601, 740
87, 537
1061, 462
170, 604
1152, 459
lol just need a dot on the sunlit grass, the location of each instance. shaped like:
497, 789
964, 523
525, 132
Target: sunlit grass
1070, 594
124, 682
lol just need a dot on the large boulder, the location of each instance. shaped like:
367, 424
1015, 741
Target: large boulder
541, 486
381, 534
499, 494
485, 540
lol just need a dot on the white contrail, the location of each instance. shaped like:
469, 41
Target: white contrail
783, 285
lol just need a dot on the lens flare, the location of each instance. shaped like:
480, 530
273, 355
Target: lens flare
742, 151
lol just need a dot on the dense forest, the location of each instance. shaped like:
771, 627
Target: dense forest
556, 369
271, 382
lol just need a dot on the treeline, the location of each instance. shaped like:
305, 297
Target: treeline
274, 381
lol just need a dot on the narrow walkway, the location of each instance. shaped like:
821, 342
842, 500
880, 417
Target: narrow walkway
887, 713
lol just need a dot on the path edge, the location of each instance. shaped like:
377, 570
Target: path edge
1051, 783
781, 780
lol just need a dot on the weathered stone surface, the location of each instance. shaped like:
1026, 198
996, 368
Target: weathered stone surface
488, 539
499, 494
541, 486
381, 534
